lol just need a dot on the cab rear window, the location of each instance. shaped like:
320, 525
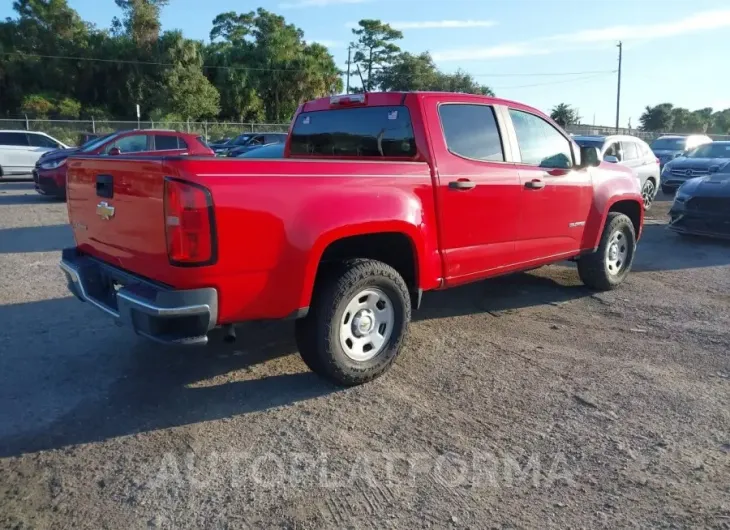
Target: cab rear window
375, 132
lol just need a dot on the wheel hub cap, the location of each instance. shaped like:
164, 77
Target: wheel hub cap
367, 324
363, 322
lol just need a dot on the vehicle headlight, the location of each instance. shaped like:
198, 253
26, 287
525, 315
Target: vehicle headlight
53, 165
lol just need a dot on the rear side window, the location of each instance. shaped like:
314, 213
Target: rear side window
540, 143
38, 140
630, 150
11, 138
165, 143
181, 144
364, 132
471, 131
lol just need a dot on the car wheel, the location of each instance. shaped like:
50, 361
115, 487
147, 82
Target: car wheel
667, 190
607, 267
357, 322
647, 193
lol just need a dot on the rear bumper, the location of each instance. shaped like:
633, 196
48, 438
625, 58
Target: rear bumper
153, 311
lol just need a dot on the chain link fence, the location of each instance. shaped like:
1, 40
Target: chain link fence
70, 132
647, 136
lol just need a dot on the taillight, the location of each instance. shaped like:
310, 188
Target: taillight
189, 224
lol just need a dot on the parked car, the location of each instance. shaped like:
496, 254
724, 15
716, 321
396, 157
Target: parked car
19, 151
265, 151
50, 171
669, 147
702, 206
701, 161
379, 197
219, 143
245, 142
257, 142
631, 152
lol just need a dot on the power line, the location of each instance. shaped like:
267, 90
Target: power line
150, 63
157, 63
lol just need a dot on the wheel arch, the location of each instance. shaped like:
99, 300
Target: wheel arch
398, 247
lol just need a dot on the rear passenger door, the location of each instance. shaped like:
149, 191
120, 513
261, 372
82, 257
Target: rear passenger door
556, 198
478, 190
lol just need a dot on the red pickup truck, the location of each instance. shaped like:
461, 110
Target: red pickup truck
378, 198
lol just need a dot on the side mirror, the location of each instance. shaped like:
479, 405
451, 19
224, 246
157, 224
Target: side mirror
590, 157
115, 151
610, 158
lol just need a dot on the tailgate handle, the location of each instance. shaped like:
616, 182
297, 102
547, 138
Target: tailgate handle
105, 186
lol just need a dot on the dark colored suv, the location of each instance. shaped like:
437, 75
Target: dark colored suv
50, 171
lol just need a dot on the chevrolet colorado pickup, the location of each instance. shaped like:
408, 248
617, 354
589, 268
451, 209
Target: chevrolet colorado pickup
378, 198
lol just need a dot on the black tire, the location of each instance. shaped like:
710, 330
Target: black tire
318, 334
647, 193
668, 190
593, 268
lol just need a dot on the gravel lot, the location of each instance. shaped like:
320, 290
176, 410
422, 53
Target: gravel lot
526, 401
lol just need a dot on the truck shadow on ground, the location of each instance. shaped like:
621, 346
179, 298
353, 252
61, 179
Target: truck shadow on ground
35, 238
60, 392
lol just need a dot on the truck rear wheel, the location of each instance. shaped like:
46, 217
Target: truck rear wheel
357, 322
607, 267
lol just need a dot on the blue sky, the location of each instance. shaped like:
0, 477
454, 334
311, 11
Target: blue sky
674, 50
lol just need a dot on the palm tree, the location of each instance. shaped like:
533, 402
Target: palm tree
564, 115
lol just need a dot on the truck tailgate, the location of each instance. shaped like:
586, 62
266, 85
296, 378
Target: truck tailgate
116, 210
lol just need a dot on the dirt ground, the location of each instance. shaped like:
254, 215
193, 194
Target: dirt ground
526, 401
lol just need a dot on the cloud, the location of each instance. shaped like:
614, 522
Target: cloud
703, 21
297, 4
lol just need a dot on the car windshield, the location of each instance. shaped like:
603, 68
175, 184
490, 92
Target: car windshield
266, 151
713, 150
589, 142
669, 144
93, 144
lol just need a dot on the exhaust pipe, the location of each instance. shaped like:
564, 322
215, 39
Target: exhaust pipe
229, 334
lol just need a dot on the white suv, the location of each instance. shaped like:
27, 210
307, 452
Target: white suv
19, 151
632, 152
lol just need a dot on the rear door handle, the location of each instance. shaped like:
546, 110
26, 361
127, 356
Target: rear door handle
462, 185
535, 184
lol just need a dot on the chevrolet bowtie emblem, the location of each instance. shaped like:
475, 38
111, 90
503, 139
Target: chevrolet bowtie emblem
104, 211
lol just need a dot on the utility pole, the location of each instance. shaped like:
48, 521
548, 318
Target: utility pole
618, 90
349, 49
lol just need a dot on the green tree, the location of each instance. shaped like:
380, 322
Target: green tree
564, 115
68, 108
658, 118
463, 82
375, 49
37, 106
186, 91
141, 20
720, 122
